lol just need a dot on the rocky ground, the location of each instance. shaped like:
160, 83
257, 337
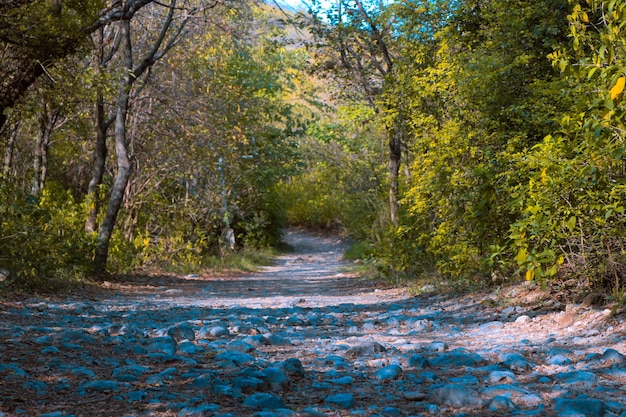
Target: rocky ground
306, 338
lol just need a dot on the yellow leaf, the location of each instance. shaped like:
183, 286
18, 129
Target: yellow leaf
530, 274
618, 87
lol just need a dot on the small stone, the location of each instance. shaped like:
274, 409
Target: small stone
345, 380
501, 403
293, 367
418, 361
501, 376
584, 407
345, 401
414, 395
219, 331
365, 350
181, 332
100, 385
515, 361
437, 347
456, 358
612, 355
263, 401
276, 378
455, 395
575, 377
199, 411
388, 373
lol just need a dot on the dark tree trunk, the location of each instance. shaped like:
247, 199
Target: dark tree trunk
395, 161
100, 156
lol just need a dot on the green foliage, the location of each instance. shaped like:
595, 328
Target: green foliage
41, 239
341, 185
573, 215
478, 92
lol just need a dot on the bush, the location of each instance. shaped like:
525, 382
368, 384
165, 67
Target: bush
42, 240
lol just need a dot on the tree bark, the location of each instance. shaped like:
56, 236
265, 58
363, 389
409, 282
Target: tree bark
395, 161
100, 155
10, 148
121, 152
47, 122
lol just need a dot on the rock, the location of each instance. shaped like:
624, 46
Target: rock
558, 360
575, 377
456, 358
199, 411
276, 378
181, 332
165, 344
455, 395
240, 346
365, 350
515, 361
523, 319
189, 348
293, 367
465, 380
501, 376
414, 395
235, 358
276, 340
262, 401
500, 404
388, 373
505, 390
345, 380
100, 385
248, 385
437, 347
344, 401
219, 331
418, 361
612, 355
579, 407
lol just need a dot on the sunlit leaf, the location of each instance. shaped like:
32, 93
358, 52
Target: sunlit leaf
618, 87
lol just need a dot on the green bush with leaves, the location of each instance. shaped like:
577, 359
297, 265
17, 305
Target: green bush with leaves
42, 241
573, 216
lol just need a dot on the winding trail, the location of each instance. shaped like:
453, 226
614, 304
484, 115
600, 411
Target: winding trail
305, 337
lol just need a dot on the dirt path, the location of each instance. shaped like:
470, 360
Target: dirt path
306, 337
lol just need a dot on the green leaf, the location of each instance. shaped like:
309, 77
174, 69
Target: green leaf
522, 256
571, 223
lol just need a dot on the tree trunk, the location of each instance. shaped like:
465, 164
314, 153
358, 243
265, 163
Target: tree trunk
10, 147
395, 160
100, 156
123, 160
47, 123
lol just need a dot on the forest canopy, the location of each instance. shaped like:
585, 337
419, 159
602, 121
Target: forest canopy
458, 140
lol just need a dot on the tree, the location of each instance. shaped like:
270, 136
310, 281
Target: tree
36, 34
172, 24
354, 46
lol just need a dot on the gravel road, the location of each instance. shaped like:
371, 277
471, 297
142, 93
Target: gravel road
306, 337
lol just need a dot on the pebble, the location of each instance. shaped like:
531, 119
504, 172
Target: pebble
345, 401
